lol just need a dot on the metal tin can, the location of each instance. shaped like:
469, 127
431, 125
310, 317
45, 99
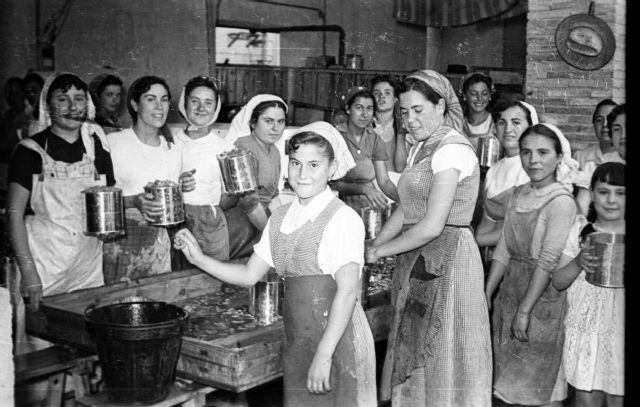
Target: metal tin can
266, 299
103, 211
373, 221
169, 194
489, 150
609, 249
239, 171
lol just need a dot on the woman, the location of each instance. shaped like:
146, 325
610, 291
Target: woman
256, 128
387, 123
476, 92
368, 184
200, 105
316, 244
593, 354
439, 349
106, 91
616, 131
47, 175
143, 154
502, 177
528, 312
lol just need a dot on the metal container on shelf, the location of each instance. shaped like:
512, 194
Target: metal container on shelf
373, 219
104, 211
609, 249
353, 61
169, 194
489, 150
266, 299
239, 171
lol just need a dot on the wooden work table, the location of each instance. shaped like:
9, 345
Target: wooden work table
236, 362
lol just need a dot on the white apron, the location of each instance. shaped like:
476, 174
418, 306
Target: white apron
65, 258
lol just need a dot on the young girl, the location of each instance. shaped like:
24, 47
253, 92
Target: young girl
316, 243
593, 354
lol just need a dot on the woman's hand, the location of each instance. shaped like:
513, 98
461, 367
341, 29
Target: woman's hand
32, 286
371, 254
519, 326
150, 209
376, 198
319, 374
587, 260
187, 243
188, 181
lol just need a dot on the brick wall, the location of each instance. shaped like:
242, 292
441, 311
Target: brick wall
562, 94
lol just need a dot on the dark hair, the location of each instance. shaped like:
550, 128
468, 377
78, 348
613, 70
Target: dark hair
384, 78
33, 77
262, 106
613, 114
604, 102
508, 104
541, 130
64, 82
196, 82
363, 93
14, 80
139, 87
612, 173
427, 91
310, 137
477, 77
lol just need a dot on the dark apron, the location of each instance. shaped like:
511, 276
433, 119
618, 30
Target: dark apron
307, 306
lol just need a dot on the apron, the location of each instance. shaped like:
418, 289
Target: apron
308, 298
526, 372
65, 258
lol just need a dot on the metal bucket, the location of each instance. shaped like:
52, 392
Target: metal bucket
489, 150
609, 248
170, 195
373, 220
266, 299
104, 211
239, 171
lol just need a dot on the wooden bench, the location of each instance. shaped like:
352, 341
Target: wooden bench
54, 363
180, 394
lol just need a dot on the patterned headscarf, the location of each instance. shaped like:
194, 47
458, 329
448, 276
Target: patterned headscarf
343, 157
240, 124
453, 115
567, 172
183, 111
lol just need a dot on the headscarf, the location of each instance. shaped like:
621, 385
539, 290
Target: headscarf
183, 110
532, 112
453, 115
342, 156
240, 124
88, 128
567, 172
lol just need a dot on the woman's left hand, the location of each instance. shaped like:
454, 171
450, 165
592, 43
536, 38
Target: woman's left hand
188, 181
519, 326
371, 255
319, 374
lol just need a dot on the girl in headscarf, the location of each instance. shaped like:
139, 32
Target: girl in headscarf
107, 94
502, 177
200, 105
47, 175
529, 312
439, 349
316, 244
142, 154
368, 184
256, 128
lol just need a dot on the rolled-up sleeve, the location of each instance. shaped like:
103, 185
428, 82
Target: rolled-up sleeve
557, 218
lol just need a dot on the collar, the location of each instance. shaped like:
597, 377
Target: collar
300, 214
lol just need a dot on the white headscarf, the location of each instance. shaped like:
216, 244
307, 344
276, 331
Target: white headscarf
240, 124
342, 156
532, 112
183, 111
88, 127
567, 172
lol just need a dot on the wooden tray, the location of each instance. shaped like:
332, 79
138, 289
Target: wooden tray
236, 362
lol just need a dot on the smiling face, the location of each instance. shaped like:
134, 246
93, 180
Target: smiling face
539, 159
609, 201
68, 109
419, 115
619, 134
361, 112
385, 97
153, 107
309, 171
509, 127
270, 125
110, 98
477, 97
201, 105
